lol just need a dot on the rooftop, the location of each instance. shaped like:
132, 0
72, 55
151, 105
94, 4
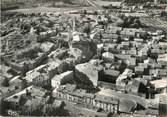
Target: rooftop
162, 83
119, 95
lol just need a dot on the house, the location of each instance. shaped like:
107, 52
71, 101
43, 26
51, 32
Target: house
65, 36
131, 61
32, 75
127, 102
160, 85
144, 65
155, 51
37, 61
155, 65
107, 103
132, 51
127, 72
110, 75
57, 54
163, 44
122, 57
46, 46
138, 39
162, 72
15, 83
106, 48
31, 105
70, 93
147, 77
128, 32
43, 71
143, 52
149, 60
113, 30
139, 70
63, 78
126, 39
122, 78
13, 101
125, 45
136, 44
42, 80
162, 59
111, 45
84, 45
107, 56
162, 98
99, 46
55, 104
15, 98
153, 73
137, 87
142, 80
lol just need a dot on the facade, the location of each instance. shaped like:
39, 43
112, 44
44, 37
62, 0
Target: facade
90, 100
57, 80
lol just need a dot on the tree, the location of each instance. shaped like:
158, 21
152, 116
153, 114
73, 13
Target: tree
119, 40
131, 38
87, 29
63, 104
5, 82
22, 100
4, 106
25, 69
37, 111
24, 84
51, 99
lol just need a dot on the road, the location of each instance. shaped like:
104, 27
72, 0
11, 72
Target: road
93, 4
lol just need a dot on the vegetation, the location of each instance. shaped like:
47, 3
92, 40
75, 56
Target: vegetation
131, 22
5, 82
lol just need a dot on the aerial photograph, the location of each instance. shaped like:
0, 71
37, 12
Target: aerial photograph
83, 58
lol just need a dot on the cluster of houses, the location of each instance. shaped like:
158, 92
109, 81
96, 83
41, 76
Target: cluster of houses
115, 69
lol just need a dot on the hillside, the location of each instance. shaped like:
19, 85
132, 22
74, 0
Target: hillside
14, 4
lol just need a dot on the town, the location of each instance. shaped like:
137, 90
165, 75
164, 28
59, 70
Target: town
106, 59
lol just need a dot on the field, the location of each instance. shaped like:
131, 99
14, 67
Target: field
155, 23
50, 9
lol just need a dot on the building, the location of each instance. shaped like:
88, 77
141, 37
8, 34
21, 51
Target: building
139, 70
70, 93
46, 46
84, 45
42, 80
63, 78
160, 85
14, 99
162, 59
108, 57
127, 102
162, 99
122, 78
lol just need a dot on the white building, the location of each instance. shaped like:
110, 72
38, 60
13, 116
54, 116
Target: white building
57, 80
